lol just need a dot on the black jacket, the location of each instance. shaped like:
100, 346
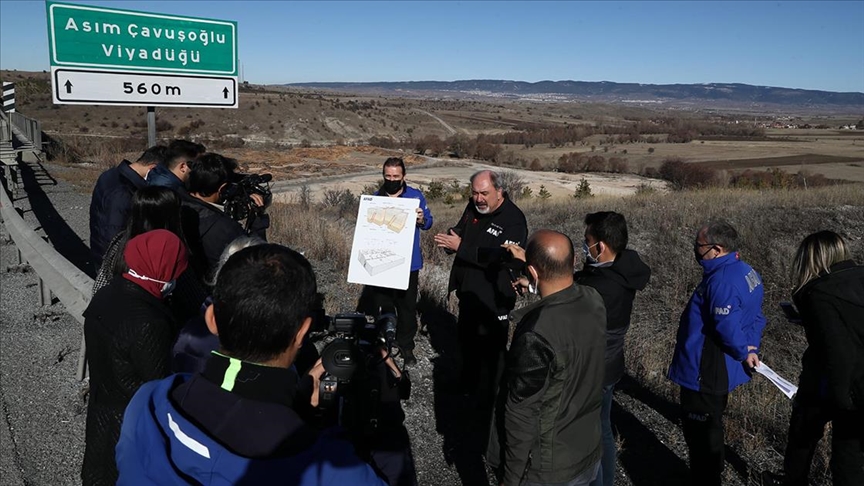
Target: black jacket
487, 281
209, 231
550, 429
129, 336
832, 312
110, 205
617, 284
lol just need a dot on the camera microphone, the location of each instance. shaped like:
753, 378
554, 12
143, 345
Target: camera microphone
389, 328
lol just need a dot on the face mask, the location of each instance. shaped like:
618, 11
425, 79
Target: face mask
167, 287
698, 253
391, 187
587, 253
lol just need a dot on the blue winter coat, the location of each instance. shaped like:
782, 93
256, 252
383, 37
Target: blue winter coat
161, 176
723, 317
159, 446
110, 206
416, 254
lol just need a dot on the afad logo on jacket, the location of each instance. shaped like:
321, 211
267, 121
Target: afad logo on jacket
723, 311
495, 230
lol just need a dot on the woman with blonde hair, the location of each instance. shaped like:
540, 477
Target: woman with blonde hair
829, 295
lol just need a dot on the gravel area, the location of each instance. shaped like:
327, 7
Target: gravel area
42, 441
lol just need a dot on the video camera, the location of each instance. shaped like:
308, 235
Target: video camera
356, 376
237, 196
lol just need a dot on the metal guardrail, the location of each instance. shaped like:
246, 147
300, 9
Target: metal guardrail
56, 274
5, 130
31, 128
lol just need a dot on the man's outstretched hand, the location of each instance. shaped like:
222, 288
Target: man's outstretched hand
450, 241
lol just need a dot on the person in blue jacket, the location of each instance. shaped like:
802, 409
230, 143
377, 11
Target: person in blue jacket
173, 172
375, 300
717, 345
237, 421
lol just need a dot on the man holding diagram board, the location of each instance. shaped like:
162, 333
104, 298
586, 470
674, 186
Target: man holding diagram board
379, 299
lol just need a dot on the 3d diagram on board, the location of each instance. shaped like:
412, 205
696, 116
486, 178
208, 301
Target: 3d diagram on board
377, 261
393, 219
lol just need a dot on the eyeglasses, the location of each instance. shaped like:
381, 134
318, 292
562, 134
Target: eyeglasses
696, 244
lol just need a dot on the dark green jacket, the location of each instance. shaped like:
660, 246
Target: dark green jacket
549, 428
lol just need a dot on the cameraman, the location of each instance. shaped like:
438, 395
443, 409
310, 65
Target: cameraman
207, 228
235, 422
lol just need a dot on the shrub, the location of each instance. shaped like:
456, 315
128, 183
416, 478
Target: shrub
618, 165
583, 190
512, 182
163, 125
543, 194
343, 200
687, 176
435, 191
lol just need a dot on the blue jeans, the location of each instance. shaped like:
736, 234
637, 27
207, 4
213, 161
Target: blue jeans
610, 453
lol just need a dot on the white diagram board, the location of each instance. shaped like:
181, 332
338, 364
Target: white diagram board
383, 241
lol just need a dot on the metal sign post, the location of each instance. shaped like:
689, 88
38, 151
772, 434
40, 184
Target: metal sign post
151, 126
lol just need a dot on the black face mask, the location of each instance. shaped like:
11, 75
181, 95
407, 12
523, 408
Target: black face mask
391, 187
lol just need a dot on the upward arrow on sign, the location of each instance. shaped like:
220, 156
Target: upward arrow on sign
68, 86
225, 93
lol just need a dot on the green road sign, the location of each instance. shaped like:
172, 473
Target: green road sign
124, 40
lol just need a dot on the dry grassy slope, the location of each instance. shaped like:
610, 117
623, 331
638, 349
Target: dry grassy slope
289, 116
662, 228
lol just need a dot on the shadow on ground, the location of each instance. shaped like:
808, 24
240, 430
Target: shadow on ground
647, 460
62, 237
453, 408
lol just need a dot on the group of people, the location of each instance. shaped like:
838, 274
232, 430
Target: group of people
201, 369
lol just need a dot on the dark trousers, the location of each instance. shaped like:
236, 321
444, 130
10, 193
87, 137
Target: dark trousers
703, 431
483, 341
403, 303
806, 428
607, 437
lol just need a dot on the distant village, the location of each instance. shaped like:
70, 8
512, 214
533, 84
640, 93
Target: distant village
788, 122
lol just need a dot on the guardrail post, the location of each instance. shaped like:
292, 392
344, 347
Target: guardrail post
45, 297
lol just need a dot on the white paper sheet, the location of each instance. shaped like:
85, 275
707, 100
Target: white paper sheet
383, 241
787, 388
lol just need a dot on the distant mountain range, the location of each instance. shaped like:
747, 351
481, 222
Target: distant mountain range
713, 94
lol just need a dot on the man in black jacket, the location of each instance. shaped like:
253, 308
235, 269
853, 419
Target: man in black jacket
616, 273
548, 431
482, 283
112, 199
207, 228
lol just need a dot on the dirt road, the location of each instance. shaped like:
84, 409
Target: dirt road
559, 185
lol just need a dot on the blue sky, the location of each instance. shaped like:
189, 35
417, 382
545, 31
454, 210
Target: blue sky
797, 44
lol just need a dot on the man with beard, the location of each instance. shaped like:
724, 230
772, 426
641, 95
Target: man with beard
481, 277
376, 300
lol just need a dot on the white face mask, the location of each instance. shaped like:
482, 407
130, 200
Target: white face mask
532, 283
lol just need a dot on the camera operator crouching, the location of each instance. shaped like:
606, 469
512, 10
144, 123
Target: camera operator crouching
218, 199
